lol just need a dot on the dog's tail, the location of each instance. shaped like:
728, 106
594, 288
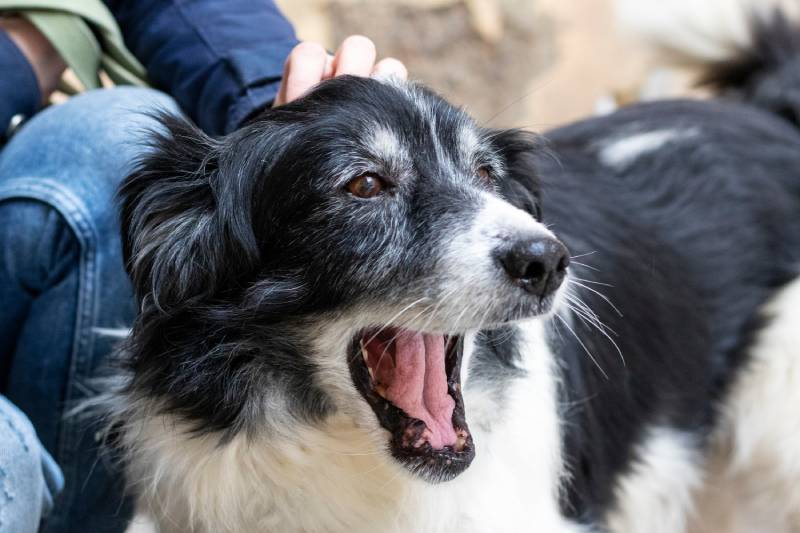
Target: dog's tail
746, 48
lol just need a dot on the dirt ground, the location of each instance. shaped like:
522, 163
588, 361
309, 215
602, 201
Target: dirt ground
511, 63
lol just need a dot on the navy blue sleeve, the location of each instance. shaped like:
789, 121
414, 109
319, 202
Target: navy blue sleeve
221, 60
19, 90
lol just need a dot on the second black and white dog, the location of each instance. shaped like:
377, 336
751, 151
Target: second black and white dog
358, 313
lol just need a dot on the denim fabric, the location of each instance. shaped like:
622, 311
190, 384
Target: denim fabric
62, 282
28, 476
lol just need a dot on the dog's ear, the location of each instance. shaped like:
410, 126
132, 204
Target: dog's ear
519, 151
186, 227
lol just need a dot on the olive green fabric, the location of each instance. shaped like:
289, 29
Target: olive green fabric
86, 35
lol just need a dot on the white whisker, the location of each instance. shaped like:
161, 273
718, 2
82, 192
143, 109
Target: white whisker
585, 349
601, 295
595, 321
584, 265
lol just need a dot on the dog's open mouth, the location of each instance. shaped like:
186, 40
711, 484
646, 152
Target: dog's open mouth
412, 381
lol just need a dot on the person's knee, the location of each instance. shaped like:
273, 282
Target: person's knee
77, 153
39, 245
114, 110
95, 136
18, 440
26, 489
113, 122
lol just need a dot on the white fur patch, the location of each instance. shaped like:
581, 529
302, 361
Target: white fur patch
385, 146
141, 523
622, 152
754, 481
337, 476
705, 30
656, 497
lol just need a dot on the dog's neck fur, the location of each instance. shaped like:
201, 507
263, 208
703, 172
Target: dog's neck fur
330, 476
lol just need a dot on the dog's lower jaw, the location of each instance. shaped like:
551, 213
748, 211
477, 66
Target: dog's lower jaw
335, 476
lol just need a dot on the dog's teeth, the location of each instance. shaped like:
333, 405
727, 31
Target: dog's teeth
381, 390
365, 355
461, 442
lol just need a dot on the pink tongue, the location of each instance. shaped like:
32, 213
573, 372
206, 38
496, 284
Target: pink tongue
419, 385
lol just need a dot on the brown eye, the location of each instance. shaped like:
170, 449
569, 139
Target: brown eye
485, 174
366, 186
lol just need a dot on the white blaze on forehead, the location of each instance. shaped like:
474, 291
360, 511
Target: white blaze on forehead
469, 144
476, 149
428, 113
386, 145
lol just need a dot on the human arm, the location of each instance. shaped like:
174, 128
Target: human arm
222, 61
219, 60
31, 69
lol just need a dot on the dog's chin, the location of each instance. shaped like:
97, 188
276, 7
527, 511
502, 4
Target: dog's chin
412, 381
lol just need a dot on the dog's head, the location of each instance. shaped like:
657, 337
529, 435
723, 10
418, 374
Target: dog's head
330, 256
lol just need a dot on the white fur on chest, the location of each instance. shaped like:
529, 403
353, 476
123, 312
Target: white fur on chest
334, 477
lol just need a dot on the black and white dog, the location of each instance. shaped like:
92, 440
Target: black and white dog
358, 313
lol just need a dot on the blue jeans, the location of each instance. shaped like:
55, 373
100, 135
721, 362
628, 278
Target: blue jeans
28, 476
62, 282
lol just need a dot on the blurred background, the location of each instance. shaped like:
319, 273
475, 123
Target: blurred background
535, 64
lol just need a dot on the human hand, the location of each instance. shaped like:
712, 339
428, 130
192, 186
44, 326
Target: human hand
42, 56
309, 63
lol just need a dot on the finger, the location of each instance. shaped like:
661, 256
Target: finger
390, 68
304, 68
280, 99
355, 56
328, 70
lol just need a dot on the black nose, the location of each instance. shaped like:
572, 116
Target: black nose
536, 265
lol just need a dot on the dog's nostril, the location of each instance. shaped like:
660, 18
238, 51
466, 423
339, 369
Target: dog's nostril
535, 270
563, 263
537, 265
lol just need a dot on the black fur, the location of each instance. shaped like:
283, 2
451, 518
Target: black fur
688, 241
691, 240
766, 73
234, 243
